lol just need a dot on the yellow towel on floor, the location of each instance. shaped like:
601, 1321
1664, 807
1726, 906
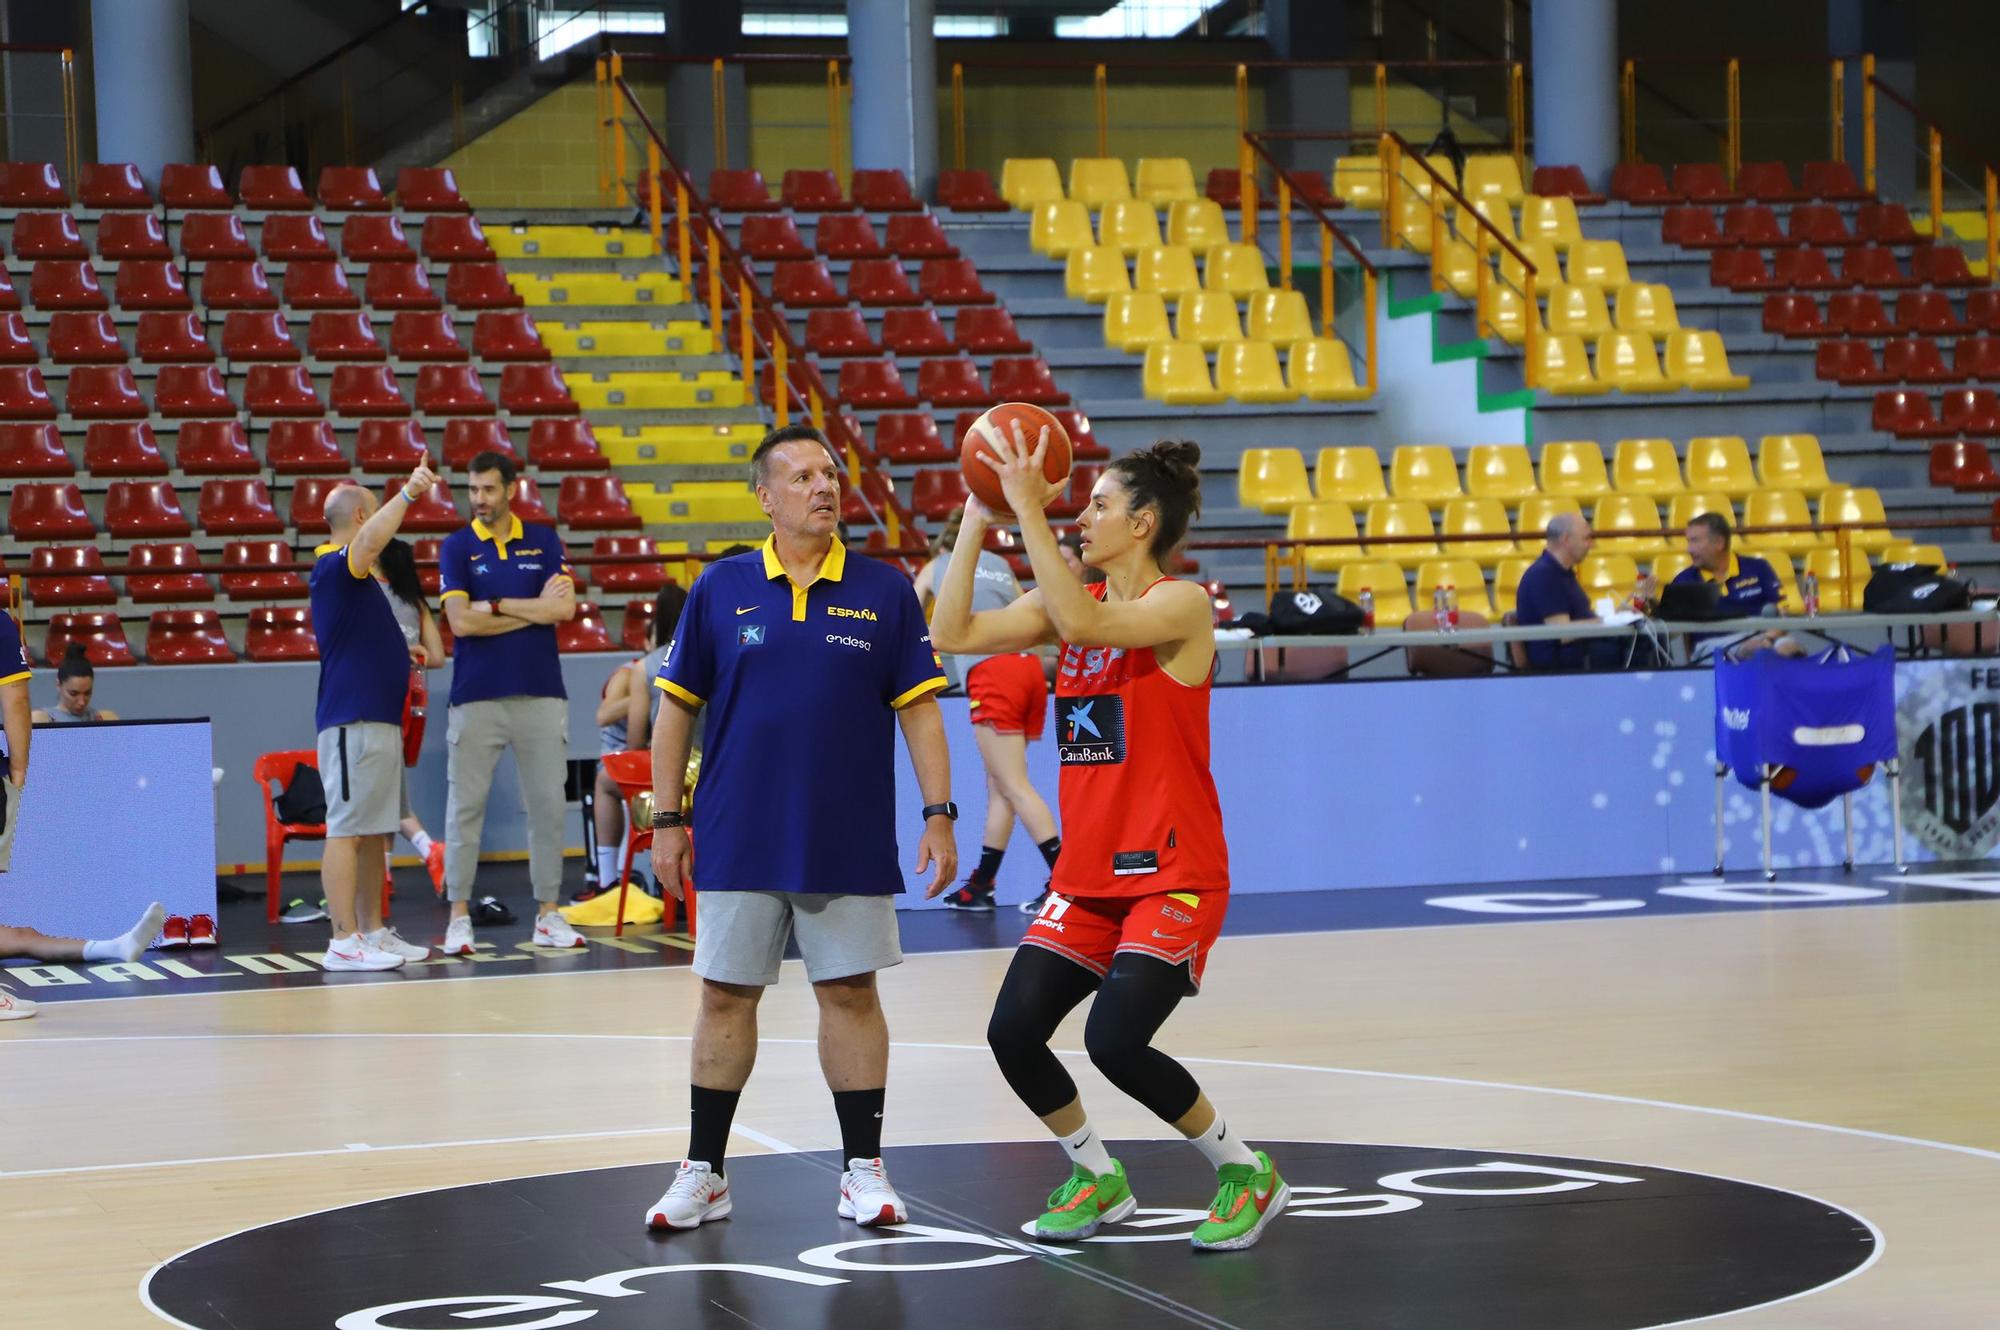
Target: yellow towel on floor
601, 910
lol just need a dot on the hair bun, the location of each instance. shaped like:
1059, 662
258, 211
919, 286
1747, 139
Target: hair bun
1180, 459
76, 650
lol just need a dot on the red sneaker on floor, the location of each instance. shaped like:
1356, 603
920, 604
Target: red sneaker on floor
173, 933
434, 861
201, 931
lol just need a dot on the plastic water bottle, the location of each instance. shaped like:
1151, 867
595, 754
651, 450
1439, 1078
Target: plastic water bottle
1367, 610
1437, 607
1450, 607
1809, 593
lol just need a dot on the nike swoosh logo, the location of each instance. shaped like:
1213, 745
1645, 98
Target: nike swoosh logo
1262, 1198
1166, 937
746, 609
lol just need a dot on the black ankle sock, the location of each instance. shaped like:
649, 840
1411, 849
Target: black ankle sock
988, 870
709, 1116
860, 1113
1050, 848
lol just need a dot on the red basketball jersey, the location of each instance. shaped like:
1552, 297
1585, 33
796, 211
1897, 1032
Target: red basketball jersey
1139, 810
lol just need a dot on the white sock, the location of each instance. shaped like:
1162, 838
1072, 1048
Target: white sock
132, 944
607, 867
1086, 1147
421, 842
1219, 1147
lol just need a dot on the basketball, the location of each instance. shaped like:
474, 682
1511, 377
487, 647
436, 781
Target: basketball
972, 448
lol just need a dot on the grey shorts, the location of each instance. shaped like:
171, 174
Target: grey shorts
741, 935
361, 766
10, 818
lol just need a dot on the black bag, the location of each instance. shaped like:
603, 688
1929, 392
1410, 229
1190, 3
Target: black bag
303, 799
1913, 588
1318, 613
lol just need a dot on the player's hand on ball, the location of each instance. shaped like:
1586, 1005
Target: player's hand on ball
1019, 468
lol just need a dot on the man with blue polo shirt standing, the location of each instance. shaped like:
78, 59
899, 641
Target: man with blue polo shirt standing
506, 585
806, 660
364, 672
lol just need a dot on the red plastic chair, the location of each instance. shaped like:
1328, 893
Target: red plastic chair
586, 632
595, 503
465, 437
989, 331
1564, 182
372, 239
877, 282
24, 395
433, 514
918, 235
341, 335
480, 286
451, 390
215, 448
883, 191
48, 235
739, 191
185, 186
236, 284
273, 772
1906, 414
1961, 465
535, 389
66, 284
31, 185
1026, 379
499, 336
104, 392
308, 509
1970, 411
152, 284
842, 332
351, 189
367, 390
393, 285
145, 510
632, 773
875, 385
1982, 310
187, 637
123, 448
1916, 360
433, 582
1794, 316
1872, 266
1830, 180
804, 282
848, 236
1808, 270
1977, 358
1643, 182
1941, 265
280, 632
636, 633
1703, 182
252, 336
813, 191
1884, 224
173, 576
911, 437
451, 238
526, 502
273, 571
772, 237
235, 506
49, 511
938, 493
132, 235
296, 238
952, 282
390, 447
916, 332
102, 635
1082, 479
319, 284
1818, 224
1927, 312
281, 390
303, 447
418, 335
1769, 181
191, 391
207, 236
1753, 225
169, 337
970, 191
107, 185
69, 575
17, 348
567, 444
272, 189
867, 502
1859, 315
952, 382
29, 452
9, 297
634, 577
429, 189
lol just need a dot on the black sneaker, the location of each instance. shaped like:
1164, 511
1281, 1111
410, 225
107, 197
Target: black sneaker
1034, 904
971, 896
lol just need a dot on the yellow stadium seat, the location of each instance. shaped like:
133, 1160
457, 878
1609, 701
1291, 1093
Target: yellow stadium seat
1321, 369
1598, 263
1168, 269
1468, 585
1857, 503
1697, 358
1129, 224
1272, 480
1384, 581
1615, 513
1826, 566
1459, 266
1248, 372
1575, 469
1207, 317
1350, 474
1498, 217
1177, 374
1781, 508
1134, 320
1563, 367
1415, 226
1791, 462
1401, 517
1645, 466
1508, 314
1905, 552
1322, 520
1095, 273
1550, 219
1500, 471
1029, 182
1666, 567
1426, 472
1625, 361
1613, 575
1720, 462
1058, 227
1280, 316
1539, 251
1506, 581
1096, 181
1643, 307
1196, 223
1495, 176
1476, 517
1357, 182
1686, 507
1237, 269
1579, 311
1164, 180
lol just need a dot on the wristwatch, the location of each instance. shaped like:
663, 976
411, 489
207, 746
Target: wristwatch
945, 809
668, 817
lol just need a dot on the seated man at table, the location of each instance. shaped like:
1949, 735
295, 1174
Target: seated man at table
1747, 585
1550, 594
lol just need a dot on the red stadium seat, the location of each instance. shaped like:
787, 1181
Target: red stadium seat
595, 503
122, 448
1703, 182
739, 191
952, 282
368, 239
1873, 266
989, 331
1082, 479
107, 185
290, 239
871, 385
427, 335
191, 391
847, 236
1643, 182
1026, 379
187, 637
341, 335
1884, 224
9, 297
102, 635
31, 185
132, 235
868, 502
842, 332
272, 189
1927, 312
236, 284
280, 632
1906, 414
66, 284
911, 437
366, 390
585, 632
526, 502
636, 634
453, 238
351, 189
429, 189
185, 186
24, 395
938, 493
1960, 465
880, 282
144, 510
1818, 224
390, 447
883, 191
567, 444
17, 348
813, 191
33, 451
214, 235
152, 284
319, 284
499, 336
1916, 360
772, 237
1692, 226
216, 448
804, 282
1858, 315
1793, 316
167, 337
951, 382
401, 286
308, 506
915, 332
1225, 187
1982, 310
281, 390
1808, 270
249, 336
172, 574
69, 575
284, 578
451, 390
303, 447
427, 553
644, 578
1978, 358
535, 390
75, 339
104, 392
917, 235
465, 437
1941, 265
48, 235
1564, 182
969, 191
1769, 181
1970, 411
480, 286
1833, 181
49, 511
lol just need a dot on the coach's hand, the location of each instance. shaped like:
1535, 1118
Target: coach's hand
672, 861
422, 480
938, 847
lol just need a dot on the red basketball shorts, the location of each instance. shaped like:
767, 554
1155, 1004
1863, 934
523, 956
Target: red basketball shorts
1009, 693
1178, 927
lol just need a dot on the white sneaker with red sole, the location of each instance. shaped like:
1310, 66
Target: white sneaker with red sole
457, 937
866, 1196
14, 1008
698, 1195
552, 930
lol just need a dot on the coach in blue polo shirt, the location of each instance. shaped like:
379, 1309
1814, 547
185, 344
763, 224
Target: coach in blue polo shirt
1749, 585
1549, 593
806, 659
506, 584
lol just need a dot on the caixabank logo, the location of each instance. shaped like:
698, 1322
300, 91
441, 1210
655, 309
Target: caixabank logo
1948, 727
1374, 1235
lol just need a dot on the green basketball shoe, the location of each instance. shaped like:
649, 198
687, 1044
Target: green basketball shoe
1085, 1203
1247, 1199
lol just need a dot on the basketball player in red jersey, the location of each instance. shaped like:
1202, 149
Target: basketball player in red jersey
1142, 881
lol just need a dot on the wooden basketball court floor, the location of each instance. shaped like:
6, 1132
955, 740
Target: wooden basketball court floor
1850, 1055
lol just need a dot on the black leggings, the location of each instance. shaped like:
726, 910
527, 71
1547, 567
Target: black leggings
1133, 1002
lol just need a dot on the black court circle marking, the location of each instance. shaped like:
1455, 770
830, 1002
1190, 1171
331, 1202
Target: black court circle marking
1375, 1235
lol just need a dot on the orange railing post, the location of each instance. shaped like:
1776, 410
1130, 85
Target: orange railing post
744, 313
1381, 99
715, 288
1992, 227
618, 133
1837, 119
1326, 302
1868, 123
1103, 114
1735, 142
654, 222
781, 388
603, 133
719, 109
1937, 184
1531, 331
683, 237
833, 115
1517, 106
1628, 109
958, 113
1284, 233
1368, 333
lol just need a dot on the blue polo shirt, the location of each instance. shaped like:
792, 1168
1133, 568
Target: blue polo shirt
801, 685
13, 658
1748, 583
503, 565
364, 662
1548, 588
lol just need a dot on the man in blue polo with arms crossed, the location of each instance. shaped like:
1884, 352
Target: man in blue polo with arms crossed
806, 659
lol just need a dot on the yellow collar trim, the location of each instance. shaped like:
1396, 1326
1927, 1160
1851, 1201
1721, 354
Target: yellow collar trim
830, 570
499, 539
1730, 572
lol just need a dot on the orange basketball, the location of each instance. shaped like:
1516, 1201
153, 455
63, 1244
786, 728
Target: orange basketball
972, 448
